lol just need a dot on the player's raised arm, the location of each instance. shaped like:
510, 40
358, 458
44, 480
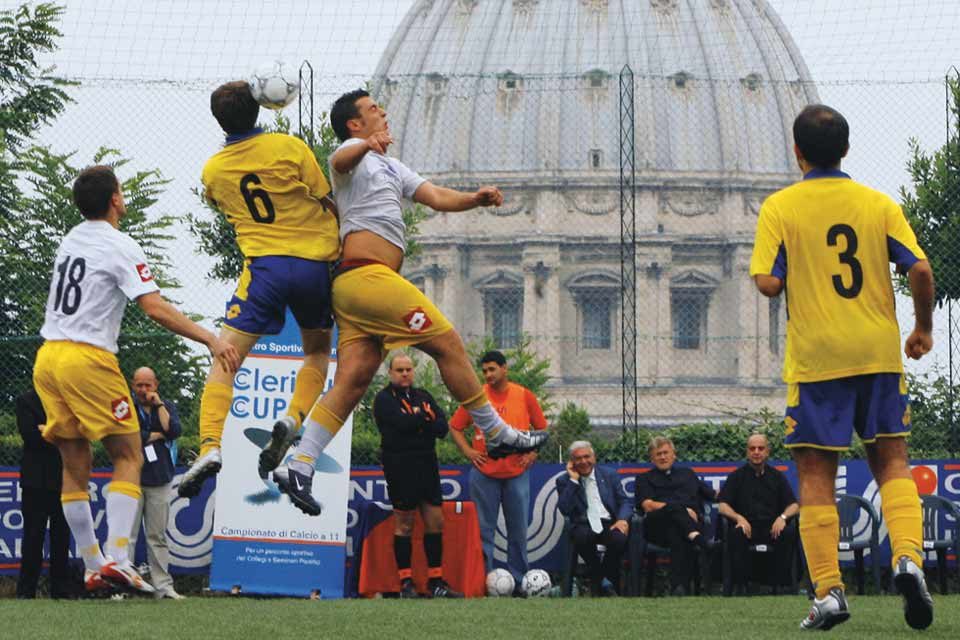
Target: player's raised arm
169, 317
347, 157
920, 340
444, 199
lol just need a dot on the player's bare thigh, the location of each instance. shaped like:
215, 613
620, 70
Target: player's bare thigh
316, 347
816, 472
357, 363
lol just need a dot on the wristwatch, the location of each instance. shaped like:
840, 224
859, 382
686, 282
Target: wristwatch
783, 517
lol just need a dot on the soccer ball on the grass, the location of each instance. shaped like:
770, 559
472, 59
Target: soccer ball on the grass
536, 583
275, 85
500, 583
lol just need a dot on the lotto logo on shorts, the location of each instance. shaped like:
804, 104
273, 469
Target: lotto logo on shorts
417, 320
144, 271
233, 311
120, 408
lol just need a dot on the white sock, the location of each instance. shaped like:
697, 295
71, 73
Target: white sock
314, 440
121, 512
80, 519
494, 429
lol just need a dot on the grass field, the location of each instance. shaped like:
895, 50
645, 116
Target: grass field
711, 618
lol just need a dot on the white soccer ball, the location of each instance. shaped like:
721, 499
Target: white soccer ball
536, 584
275, 85
500, 583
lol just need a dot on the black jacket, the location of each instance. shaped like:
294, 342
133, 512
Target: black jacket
678, 485
409, 420
40, 465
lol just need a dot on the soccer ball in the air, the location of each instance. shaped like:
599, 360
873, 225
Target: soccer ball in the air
536, 583
499, 583
275, 85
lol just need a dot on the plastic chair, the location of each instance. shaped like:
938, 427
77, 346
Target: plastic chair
848, 508
933, 506
643, 554
571, 560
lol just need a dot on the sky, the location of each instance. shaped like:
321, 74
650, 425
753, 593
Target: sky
147, 69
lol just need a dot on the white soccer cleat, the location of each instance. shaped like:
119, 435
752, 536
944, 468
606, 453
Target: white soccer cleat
125, 576
204, 467
917, 602
828, 612
509, 440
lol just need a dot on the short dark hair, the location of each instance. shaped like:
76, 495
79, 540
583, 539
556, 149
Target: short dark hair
345, 108
233, 106
93, 189
493, 356
822, 135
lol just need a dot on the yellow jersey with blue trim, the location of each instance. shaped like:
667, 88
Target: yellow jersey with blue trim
831, 240
269, 186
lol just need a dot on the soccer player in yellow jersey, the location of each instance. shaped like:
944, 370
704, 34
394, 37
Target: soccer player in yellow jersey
828, 242
97, 270
376, 308
272, 190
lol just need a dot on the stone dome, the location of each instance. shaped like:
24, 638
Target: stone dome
530, 89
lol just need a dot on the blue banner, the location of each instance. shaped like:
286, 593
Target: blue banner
190, 532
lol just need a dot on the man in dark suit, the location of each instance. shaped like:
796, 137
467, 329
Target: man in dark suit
599, 512
41, 476
672, 498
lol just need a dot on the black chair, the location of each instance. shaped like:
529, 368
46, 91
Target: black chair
849, 508
571, 561
933, 506
758, 549
643, 554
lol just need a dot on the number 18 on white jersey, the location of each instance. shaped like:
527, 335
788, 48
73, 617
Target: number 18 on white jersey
97, 269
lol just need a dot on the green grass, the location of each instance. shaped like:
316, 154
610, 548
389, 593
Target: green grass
711, 618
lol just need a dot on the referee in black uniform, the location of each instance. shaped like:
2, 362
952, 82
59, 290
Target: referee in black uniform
410, 421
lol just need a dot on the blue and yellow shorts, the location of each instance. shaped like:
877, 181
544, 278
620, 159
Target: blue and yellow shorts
270, 284
823, 415
83, 392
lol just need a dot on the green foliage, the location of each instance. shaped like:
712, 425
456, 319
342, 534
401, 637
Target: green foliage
570, 425
932, 203
29, 96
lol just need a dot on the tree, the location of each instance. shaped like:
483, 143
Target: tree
37, 210
932, 202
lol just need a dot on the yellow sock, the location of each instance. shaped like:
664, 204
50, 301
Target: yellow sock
820, 533
476, 401
900, 504
214, 407
327, 419
308, 388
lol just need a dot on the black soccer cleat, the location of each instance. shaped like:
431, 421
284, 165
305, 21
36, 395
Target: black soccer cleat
917, 602
283, 435
526, 441
298, 487
408, 591
440, 589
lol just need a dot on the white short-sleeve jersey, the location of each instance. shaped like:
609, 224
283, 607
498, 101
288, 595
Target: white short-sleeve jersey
370, 197
97, 269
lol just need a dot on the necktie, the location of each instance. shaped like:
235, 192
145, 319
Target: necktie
593, 509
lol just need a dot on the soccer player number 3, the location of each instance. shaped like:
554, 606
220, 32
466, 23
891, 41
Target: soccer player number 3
250, 196
69, 295
846, 257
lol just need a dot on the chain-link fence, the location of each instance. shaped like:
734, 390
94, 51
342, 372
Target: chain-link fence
524, 95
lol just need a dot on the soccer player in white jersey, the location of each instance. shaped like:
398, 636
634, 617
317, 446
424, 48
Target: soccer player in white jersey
97, 269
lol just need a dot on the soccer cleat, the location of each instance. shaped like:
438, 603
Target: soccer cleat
917, 603
827, 613
125, 576
298, 487
408, 591
284, 432
524, 442
94, 584
204, 467
440, 589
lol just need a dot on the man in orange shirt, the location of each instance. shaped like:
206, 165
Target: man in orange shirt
501, 482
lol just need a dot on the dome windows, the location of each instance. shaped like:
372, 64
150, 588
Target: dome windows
752, 81
681, 79
509, 82
596, 158
596, 79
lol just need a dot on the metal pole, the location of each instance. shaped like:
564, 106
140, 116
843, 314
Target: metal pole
628, 251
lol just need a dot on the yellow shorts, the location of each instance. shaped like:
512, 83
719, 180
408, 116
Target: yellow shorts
83, 392
376, 301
